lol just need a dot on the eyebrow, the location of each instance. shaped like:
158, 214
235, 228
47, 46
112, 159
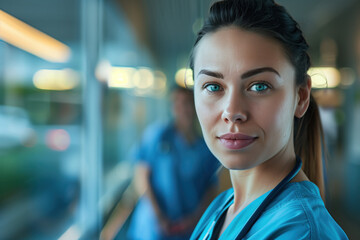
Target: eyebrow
257, 71
211, 73
247, 74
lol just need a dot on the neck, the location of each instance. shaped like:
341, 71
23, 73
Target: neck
252, 183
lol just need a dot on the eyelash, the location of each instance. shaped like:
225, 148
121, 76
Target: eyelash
260, 83
219, 88
206, 87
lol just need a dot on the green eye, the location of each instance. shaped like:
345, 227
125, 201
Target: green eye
213, 87
259, 87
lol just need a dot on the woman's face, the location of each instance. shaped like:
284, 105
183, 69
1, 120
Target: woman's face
245, 97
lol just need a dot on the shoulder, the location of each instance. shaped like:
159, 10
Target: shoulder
148, 145
299, 213
156, 131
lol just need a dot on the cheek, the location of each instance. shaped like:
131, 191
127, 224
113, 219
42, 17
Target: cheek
206, 114
277, 118
201, 111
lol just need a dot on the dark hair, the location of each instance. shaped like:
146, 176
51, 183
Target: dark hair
270, 19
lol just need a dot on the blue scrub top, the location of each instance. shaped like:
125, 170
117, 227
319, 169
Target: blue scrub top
181, 174
296, 213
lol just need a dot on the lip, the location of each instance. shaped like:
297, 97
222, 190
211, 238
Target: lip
236, 141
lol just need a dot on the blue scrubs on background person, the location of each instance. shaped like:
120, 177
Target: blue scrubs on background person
181, 174
175, 174
298, 212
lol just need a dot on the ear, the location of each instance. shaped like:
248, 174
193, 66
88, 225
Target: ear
303, 98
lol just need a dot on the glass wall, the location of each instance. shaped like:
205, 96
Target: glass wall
76, 90
40, 117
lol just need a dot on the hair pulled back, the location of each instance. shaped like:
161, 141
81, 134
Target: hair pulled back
270, 19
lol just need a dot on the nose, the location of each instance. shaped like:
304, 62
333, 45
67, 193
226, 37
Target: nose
234, 109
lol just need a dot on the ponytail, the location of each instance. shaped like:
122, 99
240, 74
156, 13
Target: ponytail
308, 144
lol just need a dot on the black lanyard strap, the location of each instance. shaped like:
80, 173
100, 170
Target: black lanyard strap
275, 192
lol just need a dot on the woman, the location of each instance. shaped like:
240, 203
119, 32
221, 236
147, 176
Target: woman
253, 100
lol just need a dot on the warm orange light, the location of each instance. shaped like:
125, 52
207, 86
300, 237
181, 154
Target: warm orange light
184, 77
121, 77
143, 78
51, 79
141, 81
324, 77
22, 35
159, 81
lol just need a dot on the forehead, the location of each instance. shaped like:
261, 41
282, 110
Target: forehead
238, 48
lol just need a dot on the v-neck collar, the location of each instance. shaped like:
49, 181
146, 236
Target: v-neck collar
239, 221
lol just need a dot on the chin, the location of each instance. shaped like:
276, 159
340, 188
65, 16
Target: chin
238, 167
236, 164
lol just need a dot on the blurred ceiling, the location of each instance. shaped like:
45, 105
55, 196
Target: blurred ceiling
165, 27
170, 23
48, 16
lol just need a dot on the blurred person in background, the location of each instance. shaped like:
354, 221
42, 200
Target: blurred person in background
175, 172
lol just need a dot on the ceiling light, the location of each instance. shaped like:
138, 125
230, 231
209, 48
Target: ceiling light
23, 36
